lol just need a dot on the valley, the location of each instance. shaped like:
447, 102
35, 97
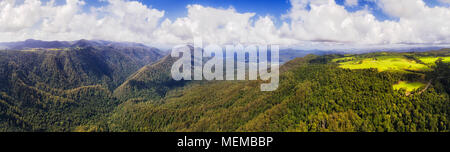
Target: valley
95, 86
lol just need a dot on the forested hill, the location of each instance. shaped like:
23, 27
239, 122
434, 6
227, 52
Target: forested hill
57, 85
78, 64
150, 82
102, 86
368, 92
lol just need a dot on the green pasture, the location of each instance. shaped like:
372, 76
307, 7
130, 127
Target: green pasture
382, 63
430, 60
408, 86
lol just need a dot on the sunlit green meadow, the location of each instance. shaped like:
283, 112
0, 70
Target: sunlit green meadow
430, 60
383, 63
408, 86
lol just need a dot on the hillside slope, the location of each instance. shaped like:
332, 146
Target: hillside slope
150, 82
58, 89
102, 86
314, 95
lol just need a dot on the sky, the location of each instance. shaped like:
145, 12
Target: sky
303, 24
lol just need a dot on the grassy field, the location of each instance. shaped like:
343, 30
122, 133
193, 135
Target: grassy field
408, 86
382, 63
429, 60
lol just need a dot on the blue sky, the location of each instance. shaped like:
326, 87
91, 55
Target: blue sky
177, 8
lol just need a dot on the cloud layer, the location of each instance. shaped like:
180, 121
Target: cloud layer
308, 22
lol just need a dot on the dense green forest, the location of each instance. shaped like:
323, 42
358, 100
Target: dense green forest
87, 89
314, 95
59, 89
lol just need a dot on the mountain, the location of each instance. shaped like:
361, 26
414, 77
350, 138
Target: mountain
150, 82
63, 83
315, 94
290, 54
114, 86
83, 63
30, 43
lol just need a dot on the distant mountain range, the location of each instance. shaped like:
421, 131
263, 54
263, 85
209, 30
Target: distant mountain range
77, 59
285, 54
36, 76
31, 43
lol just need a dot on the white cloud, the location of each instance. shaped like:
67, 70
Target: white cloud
351, 2
213, 25
330, 22
308, 23
219, 26
118, 21
419, 23
444, 1
15, 18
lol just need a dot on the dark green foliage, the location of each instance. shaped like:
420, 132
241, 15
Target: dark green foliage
313, 96
71, 90
75, 67
59, 90
150, 82
441, 75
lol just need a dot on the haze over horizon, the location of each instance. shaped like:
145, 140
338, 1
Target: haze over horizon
302, 24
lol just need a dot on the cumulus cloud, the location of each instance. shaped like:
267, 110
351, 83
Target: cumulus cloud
118, 21
444, 1
327, 21
218, 26
306, 23
351, 2
419, 23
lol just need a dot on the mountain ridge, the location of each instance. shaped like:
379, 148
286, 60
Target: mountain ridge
98, 86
